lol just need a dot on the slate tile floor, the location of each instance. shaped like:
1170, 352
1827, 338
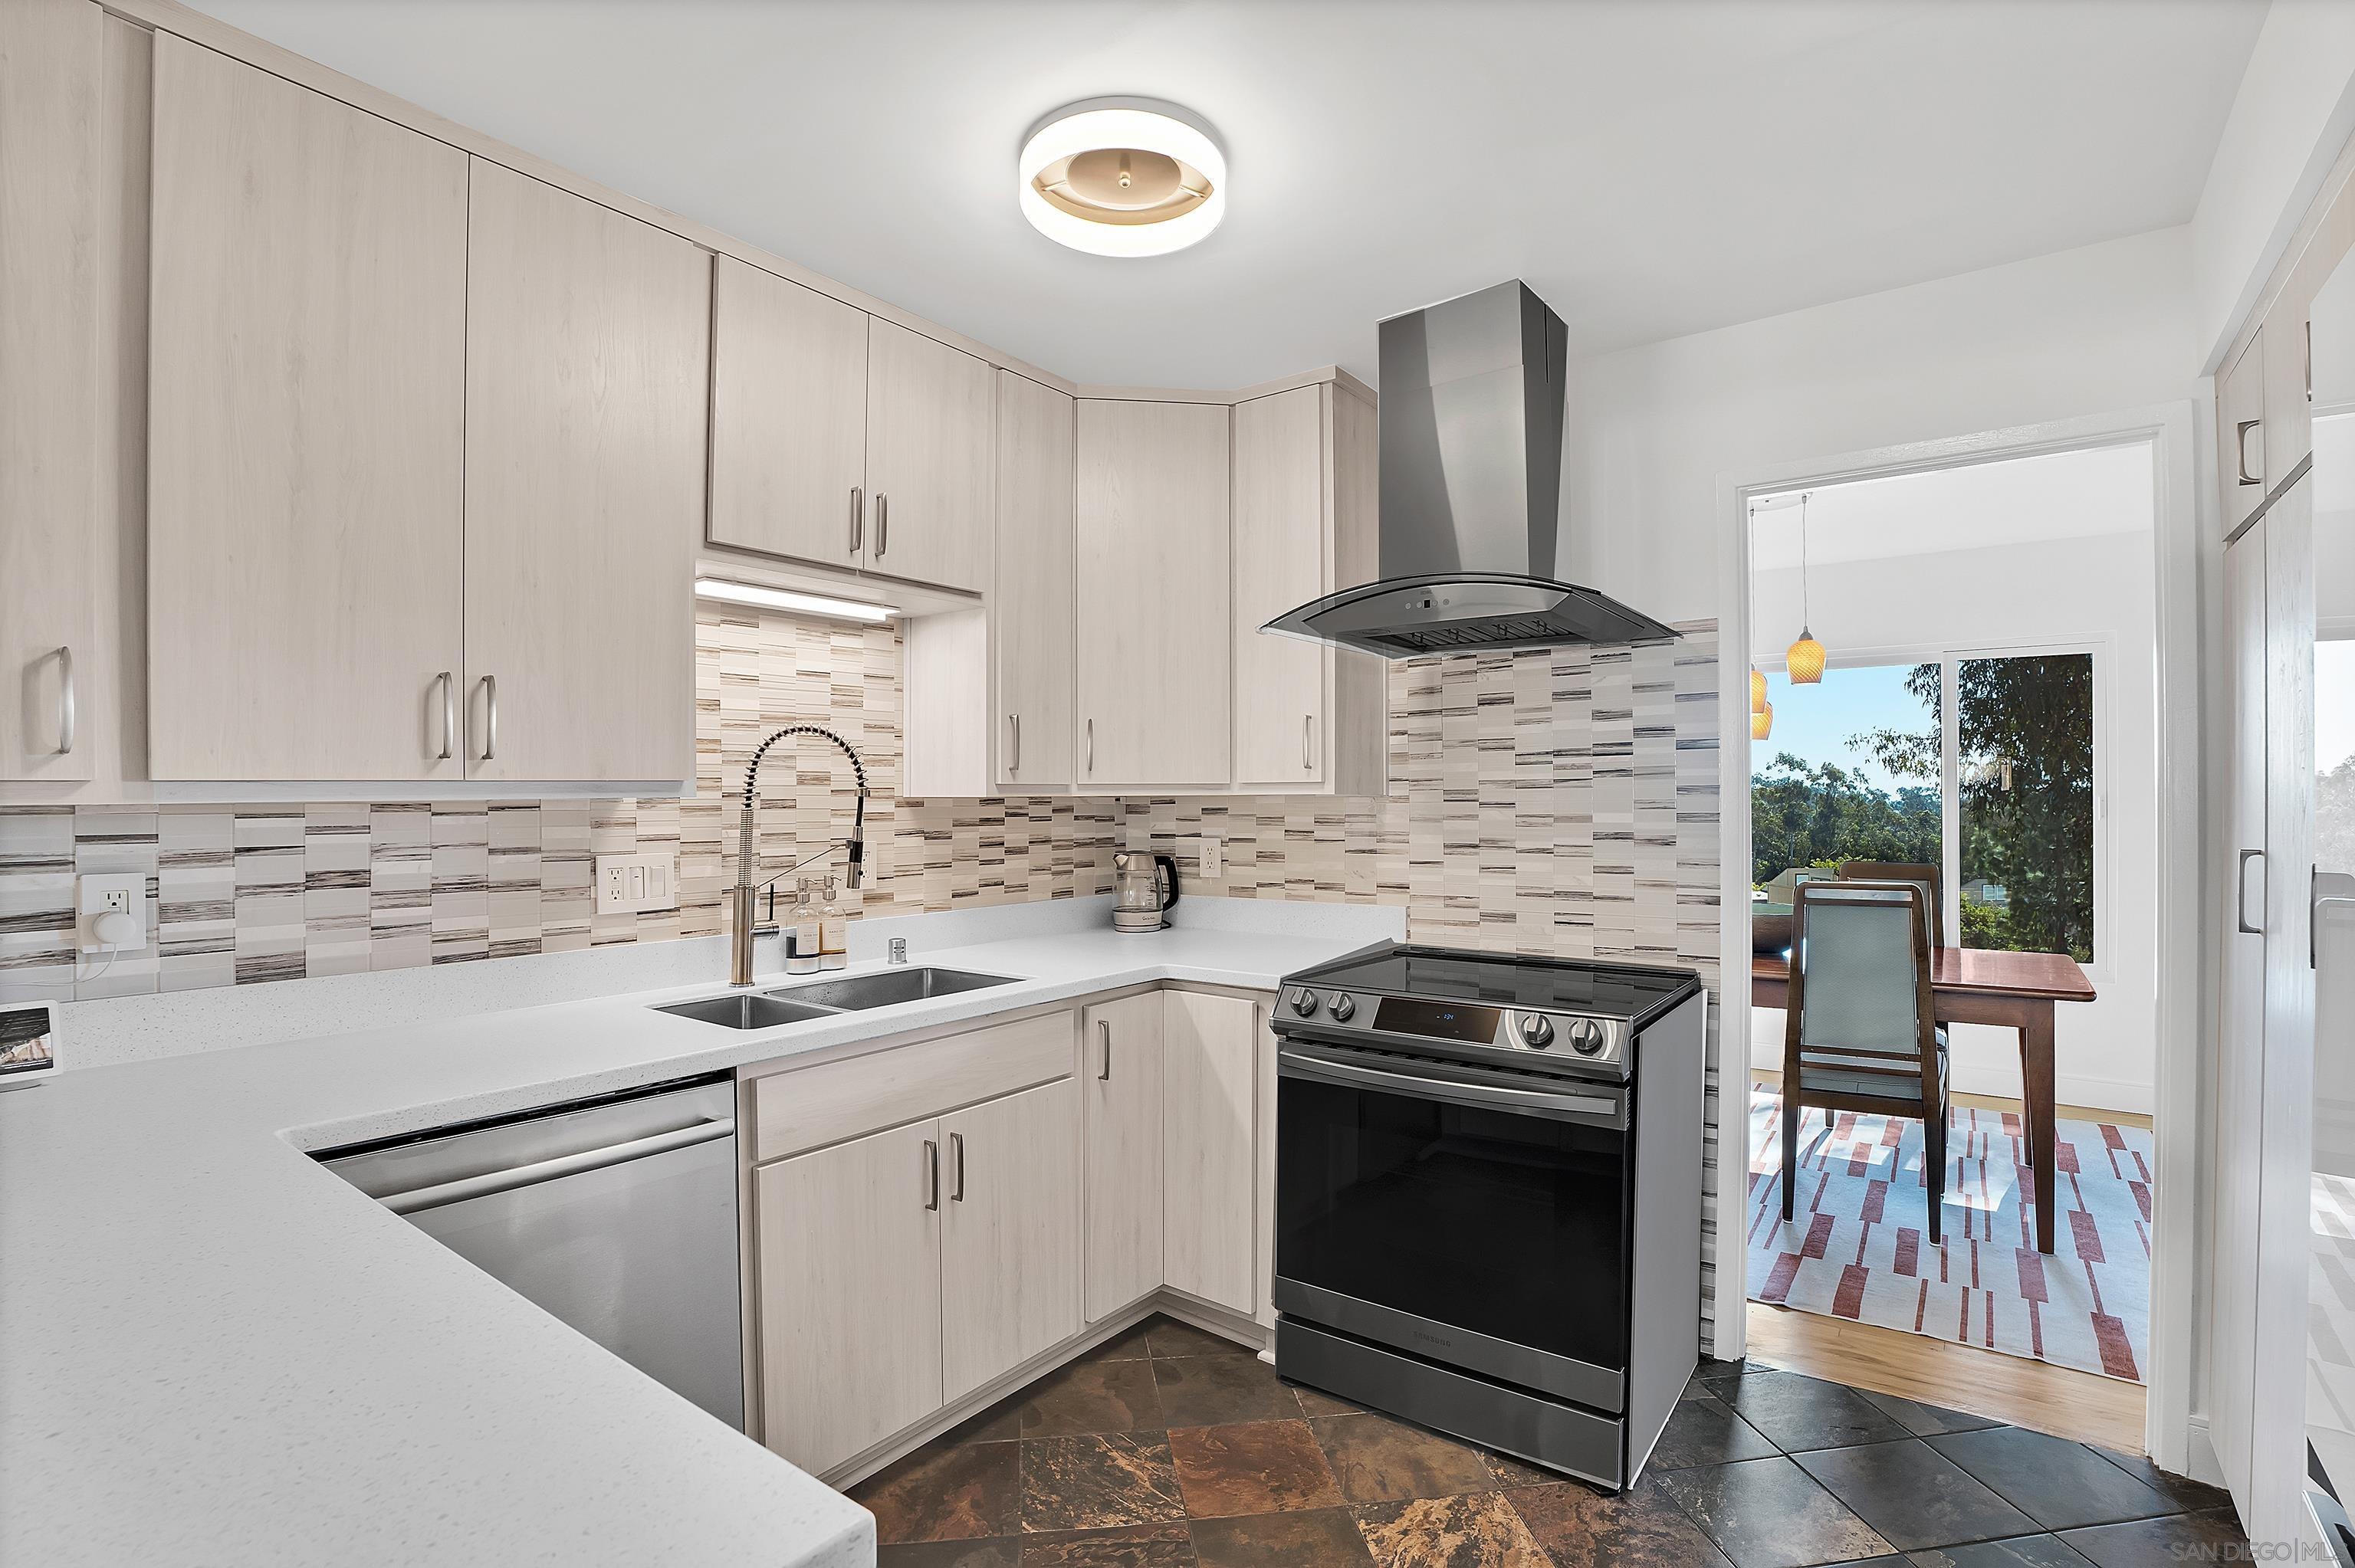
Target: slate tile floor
1169, 1447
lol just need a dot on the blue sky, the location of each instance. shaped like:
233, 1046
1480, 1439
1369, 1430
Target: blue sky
1815, 722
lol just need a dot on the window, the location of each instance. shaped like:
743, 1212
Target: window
1866, 767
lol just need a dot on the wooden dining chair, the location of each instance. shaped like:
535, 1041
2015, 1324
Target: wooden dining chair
1932, 880
1858, 1033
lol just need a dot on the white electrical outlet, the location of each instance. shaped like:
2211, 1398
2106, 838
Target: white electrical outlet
1209, 862
120, 894
631, 883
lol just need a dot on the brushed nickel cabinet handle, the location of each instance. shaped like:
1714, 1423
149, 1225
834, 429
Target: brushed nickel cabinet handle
1103, 1030
882, 523
68, 714
1091, 746
449, 714
2240, 458
490, 716
1013, 729
956, 1150
931, 1174
1307, 724
858, 516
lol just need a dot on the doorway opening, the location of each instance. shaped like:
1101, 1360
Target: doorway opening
1978, 760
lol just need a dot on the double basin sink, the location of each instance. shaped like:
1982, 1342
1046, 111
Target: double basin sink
824, 998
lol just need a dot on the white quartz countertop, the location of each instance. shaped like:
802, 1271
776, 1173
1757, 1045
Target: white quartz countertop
212, 1350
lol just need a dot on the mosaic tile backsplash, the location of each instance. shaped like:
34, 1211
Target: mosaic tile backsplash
1560, 801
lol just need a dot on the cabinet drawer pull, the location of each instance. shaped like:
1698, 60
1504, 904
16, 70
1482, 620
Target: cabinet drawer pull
882, 523
2240, 458
449, 714
490, 717
956, 1148
68, 719
1014, 730
1091, 746
858, 516
1103, 1029
1307, 727
931, 1174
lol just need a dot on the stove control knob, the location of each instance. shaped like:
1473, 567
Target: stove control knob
1303, 1002
1340, 1006
1537, 1030
1586, 1037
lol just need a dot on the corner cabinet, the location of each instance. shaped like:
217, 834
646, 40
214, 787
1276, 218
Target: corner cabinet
587, 369
1031, 590
1151, 596
1210, 1125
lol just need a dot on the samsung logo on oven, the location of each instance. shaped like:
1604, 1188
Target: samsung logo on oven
1439, 1340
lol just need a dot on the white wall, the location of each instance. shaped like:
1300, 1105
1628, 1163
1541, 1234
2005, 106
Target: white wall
2295, 111
2097, 588
2081, 331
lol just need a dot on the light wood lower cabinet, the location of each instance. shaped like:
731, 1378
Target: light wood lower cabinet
1210, 1087
850, 1293
1120, 1075
1010, 1232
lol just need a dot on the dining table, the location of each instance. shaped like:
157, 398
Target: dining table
1985, 985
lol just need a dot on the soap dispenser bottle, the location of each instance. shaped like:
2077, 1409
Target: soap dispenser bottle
802, 945
833, 930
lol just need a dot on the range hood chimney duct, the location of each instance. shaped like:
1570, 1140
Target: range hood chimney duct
1471, 493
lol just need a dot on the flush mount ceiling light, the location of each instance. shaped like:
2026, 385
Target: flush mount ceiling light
1123, 177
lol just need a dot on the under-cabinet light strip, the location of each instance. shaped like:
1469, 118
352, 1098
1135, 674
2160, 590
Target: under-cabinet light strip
728, 592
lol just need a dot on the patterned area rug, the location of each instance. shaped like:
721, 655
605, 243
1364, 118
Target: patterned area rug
1857, 1245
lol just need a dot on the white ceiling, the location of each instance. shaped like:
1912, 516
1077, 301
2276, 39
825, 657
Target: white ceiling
1651, 169
2063, 495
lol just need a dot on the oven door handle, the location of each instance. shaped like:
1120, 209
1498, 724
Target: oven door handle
1299, 1061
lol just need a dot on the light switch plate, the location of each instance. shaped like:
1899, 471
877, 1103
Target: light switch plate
95, 894
632, 884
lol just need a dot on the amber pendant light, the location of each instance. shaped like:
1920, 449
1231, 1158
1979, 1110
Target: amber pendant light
1805, 658
1762, 712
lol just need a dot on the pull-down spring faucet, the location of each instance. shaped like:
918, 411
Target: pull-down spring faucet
739, 957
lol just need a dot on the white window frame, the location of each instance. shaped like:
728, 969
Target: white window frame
2100, 646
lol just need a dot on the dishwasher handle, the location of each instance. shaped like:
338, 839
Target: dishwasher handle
490, 1181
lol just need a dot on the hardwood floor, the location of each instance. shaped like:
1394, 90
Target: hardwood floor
2044, 1398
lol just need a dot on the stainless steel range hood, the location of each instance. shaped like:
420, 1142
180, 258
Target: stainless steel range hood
1471, 492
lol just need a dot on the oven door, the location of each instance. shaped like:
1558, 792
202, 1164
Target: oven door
1476, 1216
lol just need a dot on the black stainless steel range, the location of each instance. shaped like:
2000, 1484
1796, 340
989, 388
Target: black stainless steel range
1488, 1194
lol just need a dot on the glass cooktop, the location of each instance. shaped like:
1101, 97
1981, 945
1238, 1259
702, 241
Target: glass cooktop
1450, 974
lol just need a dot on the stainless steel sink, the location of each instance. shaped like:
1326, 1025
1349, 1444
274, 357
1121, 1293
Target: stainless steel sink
744, 1010
887, 987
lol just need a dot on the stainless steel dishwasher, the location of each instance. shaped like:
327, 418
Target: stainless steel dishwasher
616, 1214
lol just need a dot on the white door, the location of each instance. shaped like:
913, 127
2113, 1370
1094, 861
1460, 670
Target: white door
307, 346
1121, 1077
849, 1243
49, 390
588, 337
1009, 1231
1209, 1086
788, 419
929, 446
1030, 597
1152, 595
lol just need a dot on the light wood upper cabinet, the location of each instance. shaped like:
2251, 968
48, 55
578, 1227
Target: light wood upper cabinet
1151, 595
1009, 1231
307, 377
586, 340
1030, 594
1281, 560
788, 419
49, 65
1120, 1075
929, 446
1209, 1089
849, 1305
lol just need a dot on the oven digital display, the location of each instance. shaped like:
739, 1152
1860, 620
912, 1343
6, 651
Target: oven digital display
1437, 1020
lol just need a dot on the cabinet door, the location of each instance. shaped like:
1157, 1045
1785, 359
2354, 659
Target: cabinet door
1151, 595
2240, 434
849, 1308
1209, 1086
788, 419
928, 459
1010, 1232
586, 340
1283, 523
49, 390
306, 420
1120, 1056
1030, 595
